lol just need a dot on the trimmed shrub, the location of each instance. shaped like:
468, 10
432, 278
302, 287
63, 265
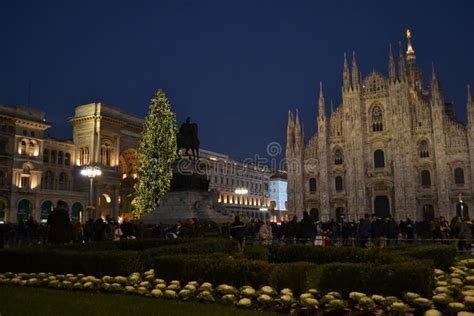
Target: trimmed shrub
134, 244
321, 255
292, 275
60, 261
387, 279
443, 256
257, 252
215, 269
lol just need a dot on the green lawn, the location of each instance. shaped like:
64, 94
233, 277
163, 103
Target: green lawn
38, 301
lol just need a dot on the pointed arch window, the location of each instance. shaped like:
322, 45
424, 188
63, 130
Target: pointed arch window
425, 178
459, 176
312, 185
379, 159
338, 184
377, 119
338, 157
423, 149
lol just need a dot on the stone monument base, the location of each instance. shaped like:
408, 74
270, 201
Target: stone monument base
181, 205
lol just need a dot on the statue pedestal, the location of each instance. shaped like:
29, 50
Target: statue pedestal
189, 197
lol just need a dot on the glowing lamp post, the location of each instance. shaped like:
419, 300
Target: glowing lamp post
91, 172
241, 192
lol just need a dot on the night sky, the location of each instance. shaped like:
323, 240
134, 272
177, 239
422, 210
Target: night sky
235, 67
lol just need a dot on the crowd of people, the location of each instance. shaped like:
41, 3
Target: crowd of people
371, 230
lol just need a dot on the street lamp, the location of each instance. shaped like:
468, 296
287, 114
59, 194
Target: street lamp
91, 172
241, 192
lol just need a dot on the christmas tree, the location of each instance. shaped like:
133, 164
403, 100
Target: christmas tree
156, 152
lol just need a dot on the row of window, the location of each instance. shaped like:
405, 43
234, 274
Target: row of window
379, 156
425, 179
105, 155
55, 157
250, 185
48, 181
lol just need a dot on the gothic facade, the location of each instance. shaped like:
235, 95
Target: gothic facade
392, 147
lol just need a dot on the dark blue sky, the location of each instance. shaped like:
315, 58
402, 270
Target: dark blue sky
235, 67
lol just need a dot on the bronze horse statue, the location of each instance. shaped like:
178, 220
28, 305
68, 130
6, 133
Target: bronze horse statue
187, 138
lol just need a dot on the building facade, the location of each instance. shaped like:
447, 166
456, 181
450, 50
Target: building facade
392, 147
279, 197
36, 172
243, 188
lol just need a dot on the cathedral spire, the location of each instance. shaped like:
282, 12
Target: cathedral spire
391, 66
410, 50
402, 72
297, 125
322, 110
290, 131
332, 107
346, 75
435, 91
469, 96
433, 72
355, 72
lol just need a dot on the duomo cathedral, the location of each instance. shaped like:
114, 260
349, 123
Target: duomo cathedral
392, 148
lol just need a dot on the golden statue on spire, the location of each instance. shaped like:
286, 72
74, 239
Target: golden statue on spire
408, 34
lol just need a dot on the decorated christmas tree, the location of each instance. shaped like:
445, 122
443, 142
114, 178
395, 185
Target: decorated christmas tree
156, 152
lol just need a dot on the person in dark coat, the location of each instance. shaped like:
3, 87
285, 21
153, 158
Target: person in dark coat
59, 225
379, 232
291, 230
365, 230
88, 229
237, 230
410, 230
392, 231
306, 229
98, 230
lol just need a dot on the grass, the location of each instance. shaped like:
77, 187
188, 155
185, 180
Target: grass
39, 301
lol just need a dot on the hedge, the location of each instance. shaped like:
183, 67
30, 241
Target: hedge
387, 279
60, 261
292, 275
442, 255
128, 244
216, 270
321, 255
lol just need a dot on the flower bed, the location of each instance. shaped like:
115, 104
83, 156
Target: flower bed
454, 293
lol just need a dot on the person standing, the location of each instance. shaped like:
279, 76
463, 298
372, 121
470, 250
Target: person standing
237, 230
265, 234
365, 230
465, 236
59, 224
